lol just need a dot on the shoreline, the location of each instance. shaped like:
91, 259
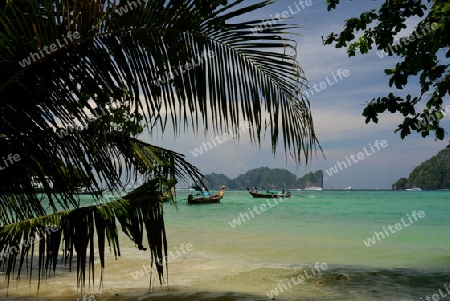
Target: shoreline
243, 282
257, 256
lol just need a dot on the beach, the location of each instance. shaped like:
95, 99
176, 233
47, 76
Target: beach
315, 236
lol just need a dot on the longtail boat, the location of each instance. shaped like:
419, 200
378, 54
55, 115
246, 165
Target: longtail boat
206, 197
269, 194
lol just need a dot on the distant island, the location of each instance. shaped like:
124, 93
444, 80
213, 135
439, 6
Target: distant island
266, 178
432, 174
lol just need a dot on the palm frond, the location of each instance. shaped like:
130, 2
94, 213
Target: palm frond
241, 74
184, 63
71, 233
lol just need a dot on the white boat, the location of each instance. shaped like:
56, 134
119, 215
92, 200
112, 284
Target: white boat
414, 189
314, 188
38, 185
349, 188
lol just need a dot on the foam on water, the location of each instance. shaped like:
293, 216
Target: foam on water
269, 248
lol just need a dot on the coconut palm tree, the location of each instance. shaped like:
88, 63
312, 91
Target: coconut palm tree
81, 79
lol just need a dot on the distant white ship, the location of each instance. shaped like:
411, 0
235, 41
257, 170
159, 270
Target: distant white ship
414, 189
38, 185
349, 188
314, 188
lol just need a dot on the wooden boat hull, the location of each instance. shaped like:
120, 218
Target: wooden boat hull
269, 195
204, 200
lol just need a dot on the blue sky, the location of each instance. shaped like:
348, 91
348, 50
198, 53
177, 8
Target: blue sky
336, 109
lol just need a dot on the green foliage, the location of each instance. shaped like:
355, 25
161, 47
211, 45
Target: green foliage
265, 178
311, 179
74, 230
434, 173
215, 181
119, 57
424, 54
400, 184
73, 173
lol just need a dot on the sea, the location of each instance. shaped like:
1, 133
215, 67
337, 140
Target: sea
316, 245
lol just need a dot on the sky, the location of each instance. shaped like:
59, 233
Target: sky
380, 156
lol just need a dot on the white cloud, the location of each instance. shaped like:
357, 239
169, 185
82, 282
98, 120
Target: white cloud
337, 111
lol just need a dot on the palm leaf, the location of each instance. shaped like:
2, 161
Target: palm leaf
48, 81
74, 230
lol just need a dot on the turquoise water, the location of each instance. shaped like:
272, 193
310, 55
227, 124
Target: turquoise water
327, 227
214, 258
324, 226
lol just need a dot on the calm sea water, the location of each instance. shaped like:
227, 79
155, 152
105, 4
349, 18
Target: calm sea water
315, 235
